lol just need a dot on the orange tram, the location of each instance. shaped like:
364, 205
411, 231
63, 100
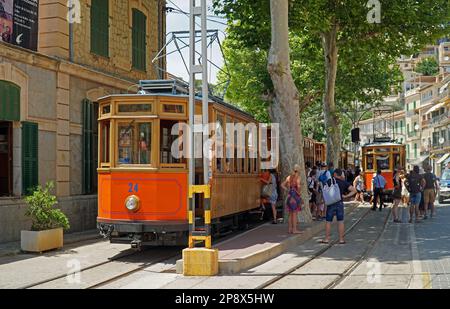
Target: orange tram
143, 189
386, 155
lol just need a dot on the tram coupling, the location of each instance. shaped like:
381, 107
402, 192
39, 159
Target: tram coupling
106, 230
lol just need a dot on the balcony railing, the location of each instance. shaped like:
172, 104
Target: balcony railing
412, 134
437, 146
441, 118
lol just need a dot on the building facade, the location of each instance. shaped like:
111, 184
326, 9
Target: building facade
48, 116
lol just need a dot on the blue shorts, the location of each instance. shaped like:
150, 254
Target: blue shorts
335, 209
414, 198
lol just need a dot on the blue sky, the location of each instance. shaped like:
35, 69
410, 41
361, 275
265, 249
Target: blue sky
180, 22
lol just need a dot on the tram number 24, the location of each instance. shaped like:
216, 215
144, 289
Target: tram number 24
133, 187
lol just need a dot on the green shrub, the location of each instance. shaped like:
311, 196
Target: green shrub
42, 212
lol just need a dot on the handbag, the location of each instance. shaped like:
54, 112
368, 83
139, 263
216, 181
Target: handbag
267, 190
331, 193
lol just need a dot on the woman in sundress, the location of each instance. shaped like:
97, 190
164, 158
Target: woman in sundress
293, 201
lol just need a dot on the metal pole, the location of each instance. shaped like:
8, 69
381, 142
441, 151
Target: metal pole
205, 93
191, 119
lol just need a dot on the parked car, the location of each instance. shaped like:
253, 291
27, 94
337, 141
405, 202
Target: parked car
444, 191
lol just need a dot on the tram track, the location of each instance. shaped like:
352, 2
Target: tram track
126, 260
341, 275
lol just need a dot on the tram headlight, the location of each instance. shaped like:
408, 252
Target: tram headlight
132, 203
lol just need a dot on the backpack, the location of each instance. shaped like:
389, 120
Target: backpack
413, 184
331, 192
323, 177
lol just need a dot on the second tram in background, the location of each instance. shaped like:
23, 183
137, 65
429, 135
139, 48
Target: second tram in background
386, 155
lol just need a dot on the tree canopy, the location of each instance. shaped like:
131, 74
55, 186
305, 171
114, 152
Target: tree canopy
367, 52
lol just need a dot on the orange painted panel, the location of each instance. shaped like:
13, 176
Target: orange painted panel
389, 176
163, 196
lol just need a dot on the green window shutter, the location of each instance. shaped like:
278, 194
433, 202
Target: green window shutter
87, 147
30, 142
9, 101
139, 34
100, 27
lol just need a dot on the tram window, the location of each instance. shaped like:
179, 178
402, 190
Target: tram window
135, 108
104, 142
229, 149
383, 162
173, 108
397, 162
369, 162
134, 143
166, 141
219, 144
106, 109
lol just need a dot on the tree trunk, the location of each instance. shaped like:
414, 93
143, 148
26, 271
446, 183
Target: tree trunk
285, 108
332, 123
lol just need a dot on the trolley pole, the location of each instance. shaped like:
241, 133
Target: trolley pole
199, 261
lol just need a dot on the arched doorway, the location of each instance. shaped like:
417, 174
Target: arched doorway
9, 112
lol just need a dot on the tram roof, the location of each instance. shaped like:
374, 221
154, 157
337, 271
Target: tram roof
383, 144
212, 100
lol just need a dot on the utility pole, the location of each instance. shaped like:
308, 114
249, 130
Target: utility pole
200, 261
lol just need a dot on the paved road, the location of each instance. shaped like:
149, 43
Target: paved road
402, 256
408, 256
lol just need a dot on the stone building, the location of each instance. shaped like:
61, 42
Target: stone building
48, 114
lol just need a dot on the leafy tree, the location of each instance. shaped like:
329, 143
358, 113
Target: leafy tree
428, 67
345, 34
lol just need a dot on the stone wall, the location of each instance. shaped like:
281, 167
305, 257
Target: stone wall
119, 61
80, 210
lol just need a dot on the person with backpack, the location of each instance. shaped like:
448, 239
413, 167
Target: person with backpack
333, 194
378, 185
324, 174
294, 201
414, 184
431, 188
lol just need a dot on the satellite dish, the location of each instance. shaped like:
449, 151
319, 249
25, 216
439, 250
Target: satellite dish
441, 140
417, 127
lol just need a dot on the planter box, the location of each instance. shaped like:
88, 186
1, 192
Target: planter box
39, 241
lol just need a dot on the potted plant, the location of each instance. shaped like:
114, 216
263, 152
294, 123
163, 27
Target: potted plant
47, 222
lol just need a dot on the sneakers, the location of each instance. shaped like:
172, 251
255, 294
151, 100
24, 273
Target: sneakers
425, 217
397, 221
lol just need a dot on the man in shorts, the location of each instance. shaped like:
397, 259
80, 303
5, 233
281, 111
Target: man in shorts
431, 188
337, 209
415, 184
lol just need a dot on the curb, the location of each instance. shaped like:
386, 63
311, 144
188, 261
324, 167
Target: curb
237, 265
13, 248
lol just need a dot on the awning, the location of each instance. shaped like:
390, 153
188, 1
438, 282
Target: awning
443, 158
435, 108
419, 160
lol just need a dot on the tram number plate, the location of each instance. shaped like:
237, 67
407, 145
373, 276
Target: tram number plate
133, 187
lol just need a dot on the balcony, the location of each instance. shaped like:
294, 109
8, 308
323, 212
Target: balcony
437, 146
441, 119
413, 134
411, 113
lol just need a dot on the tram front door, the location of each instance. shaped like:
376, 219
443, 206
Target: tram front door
5, 158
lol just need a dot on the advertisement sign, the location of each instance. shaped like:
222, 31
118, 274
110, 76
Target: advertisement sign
19, 22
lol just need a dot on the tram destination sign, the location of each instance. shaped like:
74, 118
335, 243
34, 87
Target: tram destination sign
19, 22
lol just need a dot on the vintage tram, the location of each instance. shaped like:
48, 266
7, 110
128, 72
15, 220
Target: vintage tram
386, 155
143, 188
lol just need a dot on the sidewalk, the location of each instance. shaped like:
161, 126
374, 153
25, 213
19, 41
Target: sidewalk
259, 245
13, 248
